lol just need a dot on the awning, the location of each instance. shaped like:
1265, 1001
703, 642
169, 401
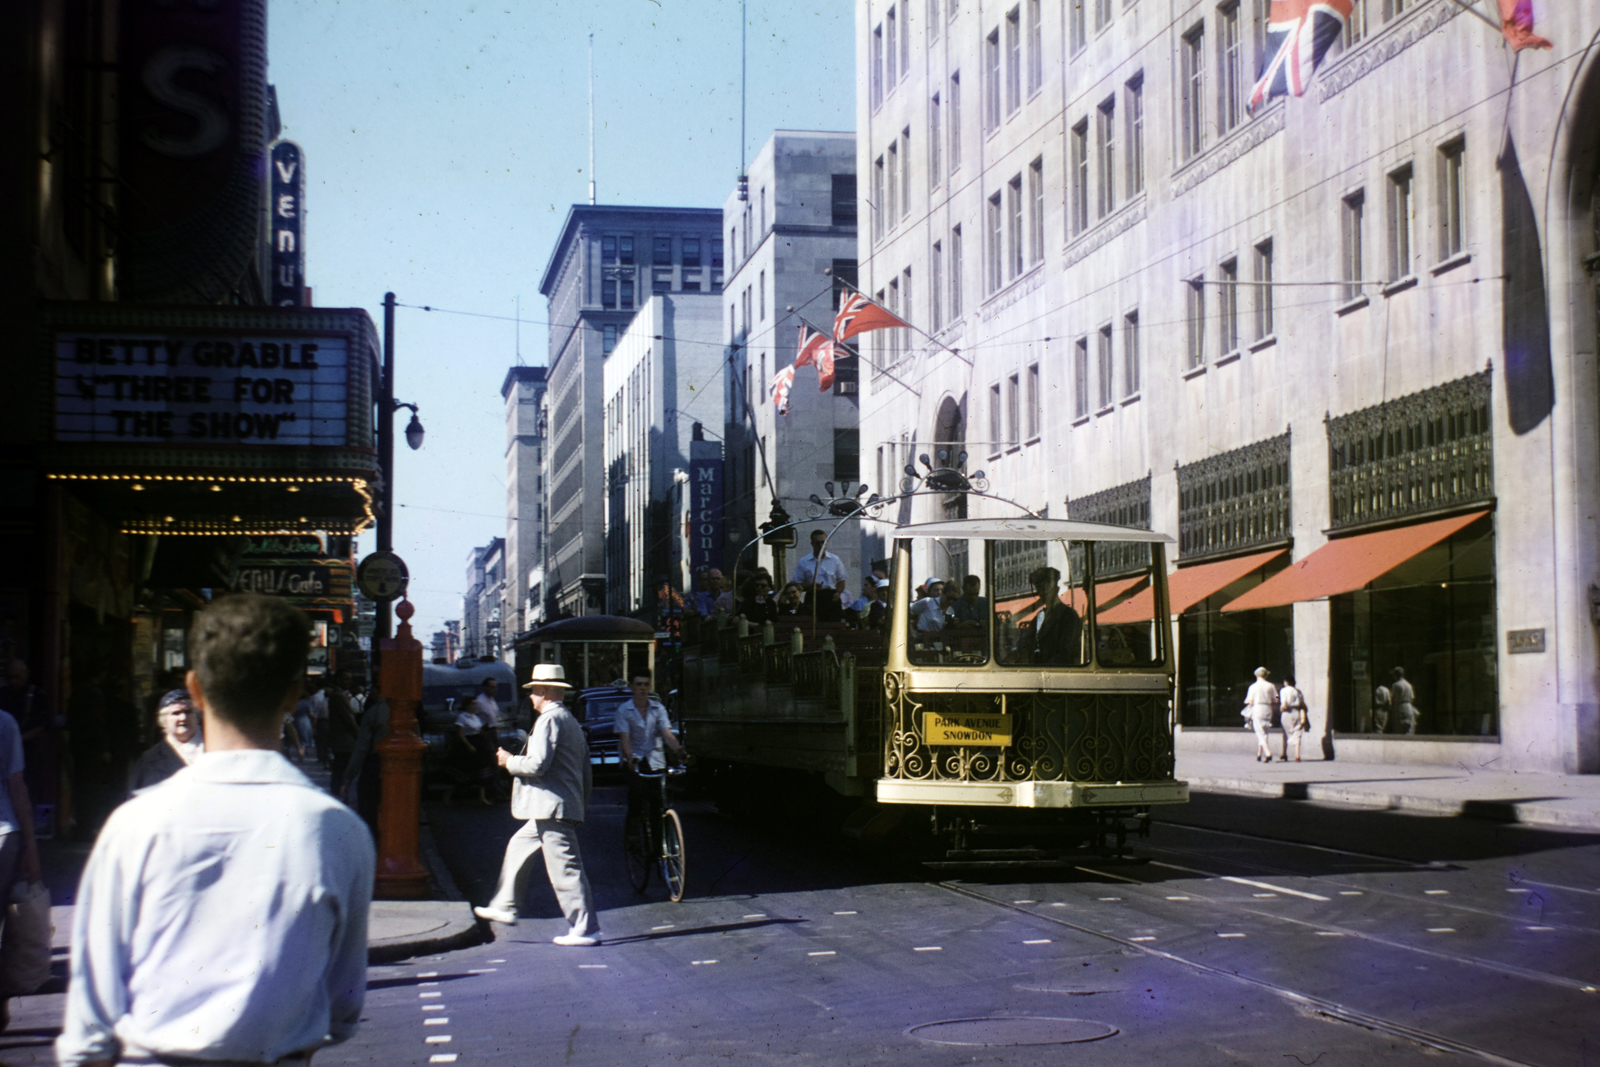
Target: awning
1349, 563
1187, 586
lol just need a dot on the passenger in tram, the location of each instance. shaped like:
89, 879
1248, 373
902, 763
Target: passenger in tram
932, 611
970, 611
1058, 629
791, 600
755, 601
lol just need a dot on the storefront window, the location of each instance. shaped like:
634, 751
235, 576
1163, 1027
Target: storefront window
1425, 631
1218, 652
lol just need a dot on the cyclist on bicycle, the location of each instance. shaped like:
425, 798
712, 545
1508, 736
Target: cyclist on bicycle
642, 731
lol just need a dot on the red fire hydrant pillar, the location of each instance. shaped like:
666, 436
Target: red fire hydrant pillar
401, 875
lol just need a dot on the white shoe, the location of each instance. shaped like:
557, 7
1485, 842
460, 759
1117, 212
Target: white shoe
495, 915
570, 939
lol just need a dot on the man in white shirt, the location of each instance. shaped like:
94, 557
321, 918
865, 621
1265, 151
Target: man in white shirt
222, 915
487, 705
643, 733
825, 571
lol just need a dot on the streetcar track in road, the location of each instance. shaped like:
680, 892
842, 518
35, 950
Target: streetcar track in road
1430, 865
1320, 1005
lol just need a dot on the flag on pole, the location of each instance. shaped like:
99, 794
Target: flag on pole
1299, 34
825, 358
1516, 22
811, 342
782, 382
857, 314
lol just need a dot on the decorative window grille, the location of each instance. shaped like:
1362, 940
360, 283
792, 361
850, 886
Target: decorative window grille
1013, 562
1122, 505
1235, 501
1413, 455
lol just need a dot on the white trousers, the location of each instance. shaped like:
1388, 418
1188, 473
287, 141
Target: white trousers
1260, 721
558, 840
1294, 730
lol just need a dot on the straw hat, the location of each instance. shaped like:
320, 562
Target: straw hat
551, 675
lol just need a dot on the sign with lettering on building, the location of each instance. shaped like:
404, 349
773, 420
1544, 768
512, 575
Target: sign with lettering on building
223, 387
705, 505
287, 213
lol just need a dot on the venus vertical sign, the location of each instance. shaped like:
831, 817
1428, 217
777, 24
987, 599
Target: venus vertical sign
288, 213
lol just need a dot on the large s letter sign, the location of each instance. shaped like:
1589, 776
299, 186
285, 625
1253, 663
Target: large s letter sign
210, 120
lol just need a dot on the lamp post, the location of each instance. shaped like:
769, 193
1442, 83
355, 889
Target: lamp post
400, 874
383, 621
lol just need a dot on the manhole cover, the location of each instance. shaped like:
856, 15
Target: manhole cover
1012, 1030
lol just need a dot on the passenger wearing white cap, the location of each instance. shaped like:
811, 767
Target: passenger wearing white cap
1260, 701
550, 785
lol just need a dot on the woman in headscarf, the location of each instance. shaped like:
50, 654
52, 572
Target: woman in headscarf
181, 744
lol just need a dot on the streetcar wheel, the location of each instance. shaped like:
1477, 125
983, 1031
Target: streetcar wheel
636, 851
672, 856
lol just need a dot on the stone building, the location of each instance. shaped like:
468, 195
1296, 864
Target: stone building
1341, 347
523, 393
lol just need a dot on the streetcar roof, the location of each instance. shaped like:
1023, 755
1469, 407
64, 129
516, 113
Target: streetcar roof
1031, 530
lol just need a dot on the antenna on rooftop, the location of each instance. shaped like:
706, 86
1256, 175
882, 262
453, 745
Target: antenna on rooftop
744, 24
591, 118
519, 329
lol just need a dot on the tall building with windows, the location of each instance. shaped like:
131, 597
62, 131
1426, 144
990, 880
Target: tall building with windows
1340, 346
523, 392
792, 250
605, 265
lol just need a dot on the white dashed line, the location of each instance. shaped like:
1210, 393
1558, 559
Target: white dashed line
757, 915
821, 953
1441, 929
433, 1007
427, 974
1177, 898
427, 983
669, 926
1038, 941
847, 913
1539, 928
1274, 888
1264, 896
929, 948
1350, 893
1097, 898
1024, 902
437, 1039
424, 996
1436, 892
1523, 889
497, 961
591, 966
1329, 933
1141, 939
443, 1057
484, 970
438, 1020
701, 963
1230, 935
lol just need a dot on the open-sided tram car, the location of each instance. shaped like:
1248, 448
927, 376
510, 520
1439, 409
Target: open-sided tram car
1031, 721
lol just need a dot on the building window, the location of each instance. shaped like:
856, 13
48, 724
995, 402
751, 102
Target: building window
996, 257
935, 164
1033, 402
1013, 410
1133, 96
1130, 353
877, 65
608, 293
891, 338
761, 296
1077, 25
933, 34
955, 122
877, 199
661, 253
905, 37
844, 275
996, 420
627, 293
661, 280
716, 252
1080, 378
936, 286
1192, 54
905, 171
846, 455
844, 200
1122, 505
1195, 318
991, 82
625, 251
891, 40
891, 186
1013, 60
1106, 135
1102, 14
1107, 372
1351, 210
1355, 24
744, 321
905, 309
608, 250
1231, 83
1014, 223
1452, 210
1228, 306
1080, 177
1400, 223
691, 252
1036, 210
955, 273
1035, 46
1235, 500
608, 338
1263, 290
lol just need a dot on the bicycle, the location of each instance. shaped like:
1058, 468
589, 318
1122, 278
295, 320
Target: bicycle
655, 837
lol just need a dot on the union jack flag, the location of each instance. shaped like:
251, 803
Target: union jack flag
811, 342
1516, 22
1299, 34
857, 314
782, 382
825, 358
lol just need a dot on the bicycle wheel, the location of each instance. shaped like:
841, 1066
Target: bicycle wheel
636, 851
672, 854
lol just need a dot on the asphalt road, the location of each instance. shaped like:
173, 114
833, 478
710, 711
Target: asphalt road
1256, 932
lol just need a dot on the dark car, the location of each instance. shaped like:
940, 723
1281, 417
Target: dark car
599, 709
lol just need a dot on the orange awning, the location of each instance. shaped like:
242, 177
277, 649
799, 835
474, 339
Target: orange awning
1187, 586
1349, 563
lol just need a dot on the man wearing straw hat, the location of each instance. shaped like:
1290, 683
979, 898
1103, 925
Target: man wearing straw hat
550, 784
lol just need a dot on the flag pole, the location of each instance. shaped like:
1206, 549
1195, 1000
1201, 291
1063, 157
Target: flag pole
909, 326
896, 378
1472, 9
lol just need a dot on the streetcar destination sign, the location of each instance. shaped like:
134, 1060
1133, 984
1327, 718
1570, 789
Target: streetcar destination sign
989, 729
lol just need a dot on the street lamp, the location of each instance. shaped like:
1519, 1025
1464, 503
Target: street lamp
383, 621
414, 430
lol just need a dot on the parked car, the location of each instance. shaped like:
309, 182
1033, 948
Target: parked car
597, 711
448, 686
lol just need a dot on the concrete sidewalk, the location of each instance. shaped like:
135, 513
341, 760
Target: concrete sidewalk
1557, 801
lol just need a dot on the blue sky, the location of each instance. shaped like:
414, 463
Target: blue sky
444, 143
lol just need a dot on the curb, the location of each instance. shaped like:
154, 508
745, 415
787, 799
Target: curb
454, 933
1539, 813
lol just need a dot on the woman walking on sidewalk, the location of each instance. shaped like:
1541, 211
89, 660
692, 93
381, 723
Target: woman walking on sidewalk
1260, 701
1295, 719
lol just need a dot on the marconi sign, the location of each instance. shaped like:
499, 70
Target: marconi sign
235, 389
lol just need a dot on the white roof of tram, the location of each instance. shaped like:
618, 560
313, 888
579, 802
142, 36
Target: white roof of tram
1030, 530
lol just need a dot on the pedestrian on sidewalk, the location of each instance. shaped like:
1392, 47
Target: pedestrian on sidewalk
181, 742
319, 721
1261, 700
222, 916
1404, 695
550, 785
342, 730
1294, 717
